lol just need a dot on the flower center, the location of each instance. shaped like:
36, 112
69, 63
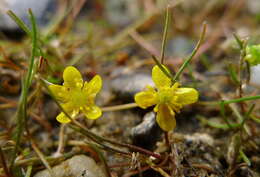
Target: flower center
165, 95
78, 97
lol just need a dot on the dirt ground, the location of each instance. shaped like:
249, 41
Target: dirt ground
117, 39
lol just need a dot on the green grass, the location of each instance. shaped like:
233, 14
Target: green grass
26, 83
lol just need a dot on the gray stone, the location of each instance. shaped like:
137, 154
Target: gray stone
42, 10
180, 46
77, 166
122, 12
253, 6
147, 132
255, 75
126, 86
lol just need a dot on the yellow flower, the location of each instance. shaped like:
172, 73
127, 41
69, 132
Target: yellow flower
168, 98
75, 95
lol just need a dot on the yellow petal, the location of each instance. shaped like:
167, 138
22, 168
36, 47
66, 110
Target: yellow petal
146, 98
72, 78
159, 78
94, 86
69, 109
62, 118
165, 118
187, 95
59, 92
92, 112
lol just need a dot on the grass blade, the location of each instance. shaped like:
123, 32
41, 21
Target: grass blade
165, 31
249, 98
22, 112
187, 61
19, 22
244, 157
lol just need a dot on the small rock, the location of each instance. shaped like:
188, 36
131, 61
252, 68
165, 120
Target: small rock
126, 86
122, 12
200, 138
147, 132
255, 75
42, 10
253, 6
77, 166
180, 46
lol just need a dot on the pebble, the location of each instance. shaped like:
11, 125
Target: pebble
42, 10
200, 138
122, 12
255, 75
147, 132
126, 86
77, 166
253, 6
179, 46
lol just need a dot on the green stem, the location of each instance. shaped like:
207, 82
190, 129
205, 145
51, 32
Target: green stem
19, 22
22, 111
50, 159
244, 157
165, 34
242, 99
28, 171
187, 61
42, 157
119, 107
247, 115
237, 100
99, 139
223, 113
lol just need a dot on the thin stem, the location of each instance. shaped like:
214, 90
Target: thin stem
242, 99
100, 139
119, 107
19, 22
37, 160
42, 157
103, 146
22, 111
107, 148
223, 113
29, 171
239, 41
244, 157
242, 45
237, 100
240, 90
61, 141
167, 19
167, 142
187, 61
34, 47
247, 114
